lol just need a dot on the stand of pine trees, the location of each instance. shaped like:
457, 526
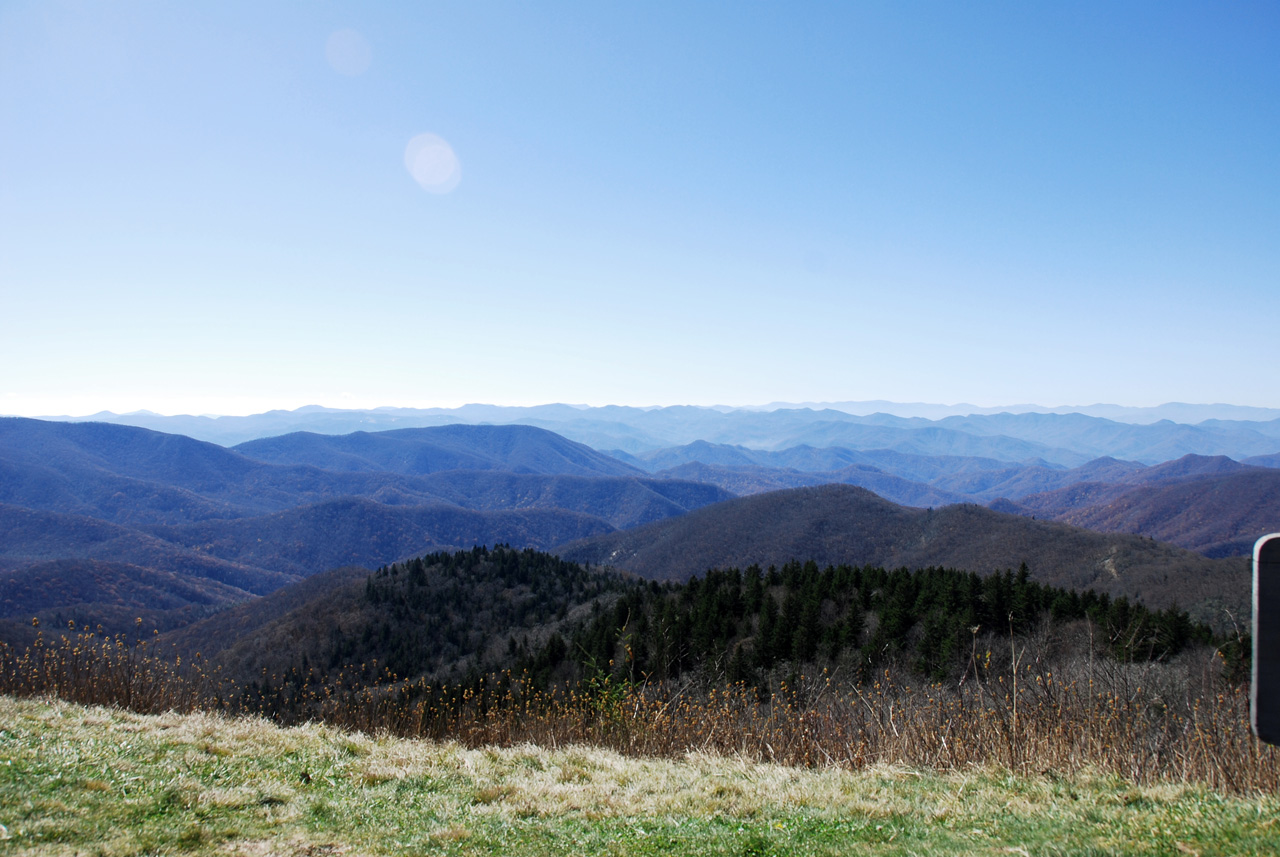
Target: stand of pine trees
742, 624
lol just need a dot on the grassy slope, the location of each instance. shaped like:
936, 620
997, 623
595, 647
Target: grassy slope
77, 780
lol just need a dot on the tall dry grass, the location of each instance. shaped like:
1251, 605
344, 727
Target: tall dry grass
1148, 722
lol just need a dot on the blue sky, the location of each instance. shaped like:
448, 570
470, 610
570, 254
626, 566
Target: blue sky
206, 207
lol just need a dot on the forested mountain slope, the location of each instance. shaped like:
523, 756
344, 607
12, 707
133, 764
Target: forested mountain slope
837, 524
1214, 515
418, 451
354, 531
438, 614
110, 597
1212, 505
623, 501
31, 537
136, 476
752, 479
526, 620
136, 518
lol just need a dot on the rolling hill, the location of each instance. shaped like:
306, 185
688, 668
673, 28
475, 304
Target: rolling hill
1210, 504
111, 597
1214, 515
31, 537
1219, 509
245, 621
135, 476
145, 521
623, 501
843, 524
352, 531
414, 452
752, 479
427, 617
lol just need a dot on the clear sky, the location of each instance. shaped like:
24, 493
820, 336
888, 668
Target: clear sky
223, 207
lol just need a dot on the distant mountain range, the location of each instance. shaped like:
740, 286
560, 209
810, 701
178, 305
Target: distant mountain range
1059, 439
1178, 412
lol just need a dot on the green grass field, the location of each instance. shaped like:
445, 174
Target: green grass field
95, 781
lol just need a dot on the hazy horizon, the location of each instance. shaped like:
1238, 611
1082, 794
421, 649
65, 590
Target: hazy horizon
866, 407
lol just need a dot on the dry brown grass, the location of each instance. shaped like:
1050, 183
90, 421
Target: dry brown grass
1149, 723
381, 794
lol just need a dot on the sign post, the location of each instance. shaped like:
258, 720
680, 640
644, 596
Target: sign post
1264, 693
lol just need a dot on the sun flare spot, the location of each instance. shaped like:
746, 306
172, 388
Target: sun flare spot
432, 163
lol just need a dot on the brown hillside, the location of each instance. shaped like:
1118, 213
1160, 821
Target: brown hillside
29, 537
1217, 516
842, 524
245, 621
109, 597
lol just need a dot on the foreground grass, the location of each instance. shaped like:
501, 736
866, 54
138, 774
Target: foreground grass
98, 781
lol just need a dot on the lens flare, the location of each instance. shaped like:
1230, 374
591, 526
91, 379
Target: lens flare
432, 163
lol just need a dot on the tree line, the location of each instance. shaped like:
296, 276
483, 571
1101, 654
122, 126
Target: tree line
531, 613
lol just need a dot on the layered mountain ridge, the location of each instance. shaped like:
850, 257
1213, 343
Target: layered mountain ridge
1064, 437
91, 510
96, 516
